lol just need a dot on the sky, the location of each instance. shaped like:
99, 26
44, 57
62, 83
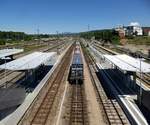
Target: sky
71, 15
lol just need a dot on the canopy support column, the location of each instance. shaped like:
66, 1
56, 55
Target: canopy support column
134, 80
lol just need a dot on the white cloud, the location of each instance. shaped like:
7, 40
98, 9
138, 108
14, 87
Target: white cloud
134, 24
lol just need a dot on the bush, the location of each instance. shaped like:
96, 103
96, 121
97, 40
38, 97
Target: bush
2, 42
106, 35
115, 40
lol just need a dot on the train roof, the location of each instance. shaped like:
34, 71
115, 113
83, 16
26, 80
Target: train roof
77, 59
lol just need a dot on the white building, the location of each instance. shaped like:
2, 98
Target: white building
149, 33
134, 29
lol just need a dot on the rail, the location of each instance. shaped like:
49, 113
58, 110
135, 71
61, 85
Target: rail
78, 113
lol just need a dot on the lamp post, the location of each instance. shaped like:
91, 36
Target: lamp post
140, 92
5, 74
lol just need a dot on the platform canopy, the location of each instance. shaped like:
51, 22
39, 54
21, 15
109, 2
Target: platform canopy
9, 52
128, 63
30, 61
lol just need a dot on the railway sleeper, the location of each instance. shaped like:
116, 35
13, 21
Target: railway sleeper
78, 119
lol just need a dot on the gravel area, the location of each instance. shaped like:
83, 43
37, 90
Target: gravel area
94, 112
143, 48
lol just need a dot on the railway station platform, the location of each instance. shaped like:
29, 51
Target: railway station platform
15, 117
127, 66
10, 98
31, 65
28, 70
127, 102
28, 62
9, 53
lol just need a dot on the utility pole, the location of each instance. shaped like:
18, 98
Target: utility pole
38, 35
57, 39
88, 27
57, 35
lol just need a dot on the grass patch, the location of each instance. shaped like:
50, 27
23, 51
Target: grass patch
33, 47
140, 40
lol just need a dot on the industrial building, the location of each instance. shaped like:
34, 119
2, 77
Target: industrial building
134, 29
146, 31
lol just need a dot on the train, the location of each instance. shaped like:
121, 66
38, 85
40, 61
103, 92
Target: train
76, 67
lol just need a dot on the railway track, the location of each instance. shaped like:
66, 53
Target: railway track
11, 83
112, 111
78, 112
5, 73
146, 77
40, 116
